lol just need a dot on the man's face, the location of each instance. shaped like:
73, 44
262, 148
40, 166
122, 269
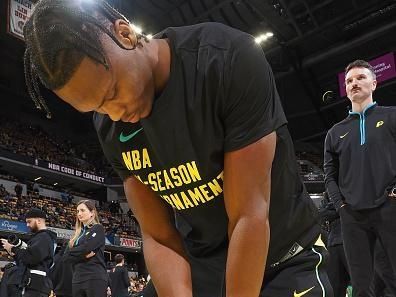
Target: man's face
360, 84
32, 224
124, 92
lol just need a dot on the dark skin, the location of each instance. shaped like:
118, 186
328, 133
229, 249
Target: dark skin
125, 92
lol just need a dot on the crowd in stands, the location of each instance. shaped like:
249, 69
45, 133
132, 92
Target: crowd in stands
315, 158
137, 285
34, 142
61, 214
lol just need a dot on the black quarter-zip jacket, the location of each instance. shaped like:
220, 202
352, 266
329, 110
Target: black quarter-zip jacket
91, 239
360, 158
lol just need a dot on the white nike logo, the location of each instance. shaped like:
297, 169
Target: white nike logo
342, 136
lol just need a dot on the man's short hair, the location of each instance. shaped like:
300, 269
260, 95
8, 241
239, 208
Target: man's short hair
360, 64
118, 258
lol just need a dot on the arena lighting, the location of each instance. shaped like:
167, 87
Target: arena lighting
137, 29
37, 178
264, 37
55, 184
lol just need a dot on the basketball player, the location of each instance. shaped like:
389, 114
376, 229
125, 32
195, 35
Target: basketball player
192, 122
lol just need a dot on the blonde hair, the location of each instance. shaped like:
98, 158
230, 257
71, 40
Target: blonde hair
78, 227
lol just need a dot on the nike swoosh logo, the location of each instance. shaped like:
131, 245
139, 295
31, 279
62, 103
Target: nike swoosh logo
342, 136
302, 293
124, 138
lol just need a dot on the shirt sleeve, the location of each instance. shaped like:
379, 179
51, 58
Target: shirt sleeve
393, 182
36, 251
126, 278
251, 107
331, 170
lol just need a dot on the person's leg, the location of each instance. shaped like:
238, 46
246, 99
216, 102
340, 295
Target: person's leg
78, 290
304, 274
378, 285
31, 293
385, 255
337, 270
347, 278
96, 288
13, 290
359, 239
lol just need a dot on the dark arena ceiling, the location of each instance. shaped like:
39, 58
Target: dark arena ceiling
313, 40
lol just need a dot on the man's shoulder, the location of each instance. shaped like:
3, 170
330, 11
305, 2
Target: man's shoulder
97, 227
204, 34
340, 125
45, 235
385, 109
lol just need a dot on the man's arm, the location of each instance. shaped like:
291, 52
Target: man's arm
126, 277
36, 252
162, 244
247, 187
331, 169
328, 214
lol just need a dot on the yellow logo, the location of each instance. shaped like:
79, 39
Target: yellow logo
342, 136
302, 293
379, 124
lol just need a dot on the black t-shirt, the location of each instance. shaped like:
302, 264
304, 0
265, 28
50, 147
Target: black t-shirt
220, 97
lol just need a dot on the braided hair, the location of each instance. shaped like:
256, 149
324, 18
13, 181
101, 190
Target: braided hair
58, 35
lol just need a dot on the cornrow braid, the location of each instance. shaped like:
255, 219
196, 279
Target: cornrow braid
58, 35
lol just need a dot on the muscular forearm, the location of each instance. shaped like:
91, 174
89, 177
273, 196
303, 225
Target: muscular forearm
168, 267
247, 254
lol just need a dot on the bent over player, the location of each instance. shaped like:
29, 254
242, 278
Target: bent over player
192, 122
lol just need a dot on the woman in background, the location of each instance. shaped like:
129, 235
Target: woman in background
86, 253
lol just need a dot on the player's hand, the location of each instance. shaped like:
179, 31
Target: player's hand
90, 255
7, 246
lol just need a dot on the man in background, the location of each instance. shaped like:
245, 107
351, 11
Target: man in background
119, 280
359, 164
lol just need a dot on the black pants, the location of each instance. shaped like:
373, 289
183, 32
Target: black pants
13, 290
304, 272
360, 230
337, 269
90, 288
384, 281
